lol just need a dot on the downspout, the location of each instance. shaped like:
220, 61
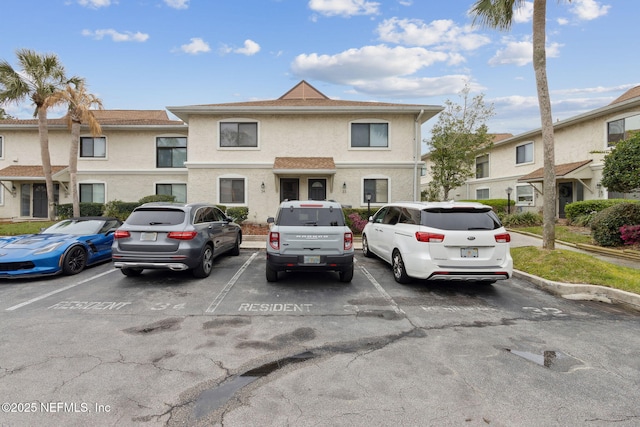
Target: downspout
416, 156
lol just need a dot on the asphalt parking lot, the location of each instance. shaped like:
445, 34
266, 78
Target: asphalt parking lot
164, 348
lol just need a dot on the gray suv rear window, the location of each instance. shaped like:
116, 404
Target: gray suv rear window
460, 219
311, 217
156, 217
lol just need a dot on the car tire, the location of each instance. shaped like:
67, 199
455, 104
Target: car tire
206, 264
365, 247
399, 272
346, 275
131, 272
75, 260
236, 247
271, 274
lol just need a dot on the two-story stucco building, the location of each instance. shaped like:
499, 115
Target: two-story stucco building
302, 145
516, 162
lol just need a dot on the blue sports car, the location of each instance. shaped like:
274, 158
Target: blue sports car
66, 247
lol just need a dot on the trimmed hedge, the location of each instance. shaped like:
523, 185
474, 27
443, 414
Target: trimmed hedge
238, 214
582, 212
606, 224
65, 210
498, 205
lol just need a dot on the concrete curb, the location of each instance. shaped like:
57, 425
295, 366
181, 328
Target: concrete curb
583, 292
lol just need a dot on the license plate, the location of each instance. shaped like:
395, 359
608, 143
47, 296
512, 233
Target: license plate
312, 259
148, 236
469, 252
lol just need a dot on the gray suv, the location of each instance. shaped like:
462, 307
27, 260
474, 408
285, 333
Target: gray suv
174, 236
309, 236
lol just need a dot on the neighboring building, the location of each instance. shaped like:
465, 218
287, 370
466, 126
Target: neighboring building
302, 145
516, 162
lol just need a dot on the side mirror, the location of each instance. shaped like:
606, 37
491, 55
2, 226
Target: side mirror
271, 220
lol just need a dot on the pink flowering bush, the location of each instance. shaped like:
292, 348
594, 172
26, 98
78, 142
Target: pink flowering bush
357, 222
630, 234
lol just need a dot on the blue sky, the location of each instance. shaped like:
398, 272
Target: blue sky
150, 54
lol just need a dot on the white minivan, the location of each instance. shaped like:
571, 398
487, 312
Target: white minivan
462, 241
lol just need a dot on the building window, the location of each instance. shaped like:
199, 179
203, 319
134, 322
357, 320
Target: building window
482, 193
524, 153
93, 147
1, 147
482, 166
524, 195
91, 193
238, 134
232, 190
178, 191
369, 135
171, 152
378, 189
617, 130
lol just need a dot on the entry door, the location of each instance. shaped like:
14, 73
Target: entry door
289, 189
317, 189
565, 196
40, 201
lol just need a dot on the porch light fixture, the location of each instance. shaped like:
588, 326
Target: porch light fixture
368, 205
509, 190
344, 187
262, 188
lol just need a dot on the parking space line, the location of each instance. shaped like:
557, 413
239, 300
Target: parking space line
216, 302
380, 289
41, 297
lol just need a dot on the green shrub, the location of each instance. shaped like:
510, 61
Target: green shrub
498, 205
523, 219
606, 224
157, 198
65, 210
583, 211
349, 217
238, 214
119, 209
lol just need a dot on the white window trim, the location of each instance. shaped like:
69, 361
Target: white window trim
91, 181
613, 119
155, 149
363, 202
246, 189
533, 195
238, 120
155, 184
483, 188
533, 153
94, 159
488, 165
388, 147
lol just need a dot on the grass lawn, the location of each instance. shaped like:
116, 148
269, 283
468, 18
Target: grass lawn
565, 233
562, 266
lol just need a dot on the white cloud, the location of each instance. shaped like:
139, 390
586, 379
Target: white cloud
177, 4
588, 9
344, 7
94, 3
521, 52
524, 13
195, 47
250, 48
116, 36
443, 33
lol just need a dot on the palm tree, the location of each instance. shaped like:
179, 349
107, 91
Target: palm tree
39, 77
79, 103
499, 14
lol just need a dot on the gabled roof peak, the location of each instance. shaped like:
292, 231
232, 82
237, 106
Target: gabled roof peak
634, 92
303, 90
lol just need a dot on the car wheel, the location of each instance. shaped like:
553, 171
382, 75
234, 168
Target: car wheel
346, 275
236, 247
272, 275
131, 272
399, 272
206, 264
365, 247
74, 260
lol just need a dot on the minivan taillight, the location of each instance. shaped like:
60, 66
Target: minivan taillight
426, 237
182, 235
503, 238
121, 234
274, 240
348, 241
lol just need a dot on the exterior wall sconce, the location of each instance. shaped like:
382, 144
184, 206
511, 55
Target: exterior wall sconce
344, 187
262, 188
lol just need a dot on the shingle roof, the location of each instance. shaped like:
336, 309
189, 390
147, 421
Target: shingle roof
31, 171
110, 117
304, 163
561, 171
631, 93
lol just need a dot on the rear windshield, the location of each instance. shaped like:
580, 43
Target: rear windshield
460, 219
156, 217
311, 217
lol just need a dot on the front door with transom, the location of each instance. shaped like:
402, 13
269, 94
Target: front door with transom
317, 189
